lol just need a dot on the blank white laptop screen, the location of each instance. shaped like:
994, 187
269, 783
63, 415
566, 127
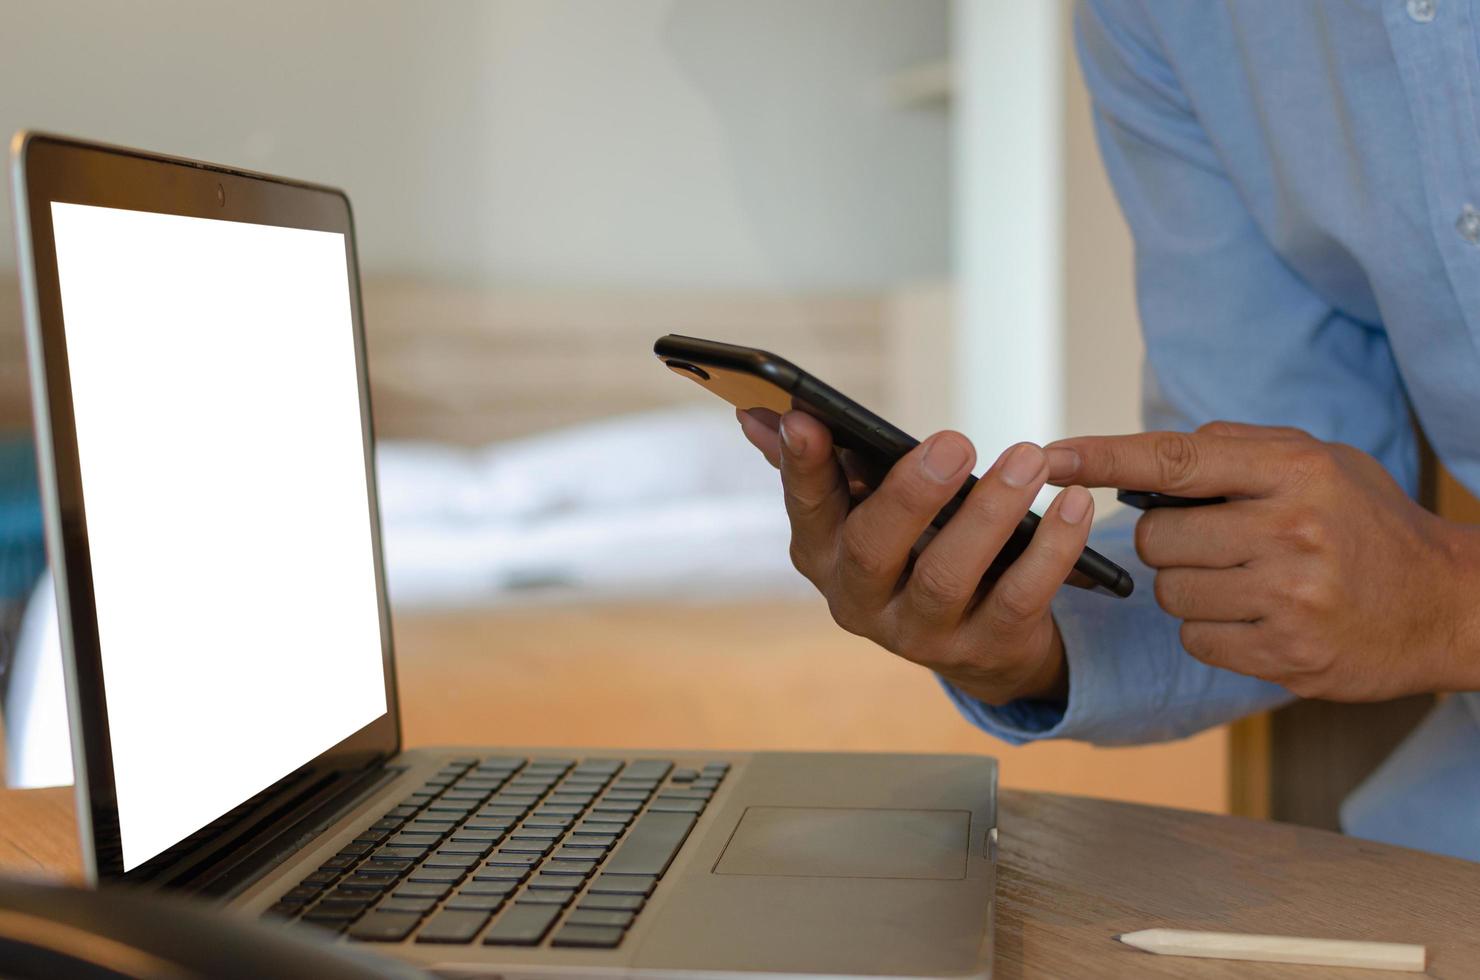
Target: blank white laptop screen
224, 487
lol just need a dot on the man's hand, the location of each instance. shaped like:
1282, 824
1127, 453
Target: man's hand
1319, 573
924, 598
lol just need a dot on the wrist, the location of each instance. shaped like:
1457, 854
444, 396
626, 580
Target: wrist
1045, 678
1460, 658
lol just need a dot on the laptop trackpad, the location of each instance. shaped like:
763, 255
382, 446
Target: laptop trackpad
848, 843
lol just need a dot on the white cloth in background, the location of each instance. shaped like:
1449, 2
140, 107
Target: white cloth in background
669, 505
665, 504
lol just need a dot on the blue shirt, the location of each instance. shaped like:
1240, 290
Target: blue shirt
1302, 181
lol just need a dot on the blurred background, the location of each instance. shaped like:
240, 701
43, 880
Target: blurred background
901, 195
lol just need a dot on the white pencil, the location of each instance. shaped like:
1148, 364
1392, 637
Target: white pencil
1278, 949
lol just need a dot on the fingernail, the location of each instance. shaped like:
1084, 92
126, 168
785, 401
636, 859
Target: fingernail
944, 458
1062, 463
1076, 504
794, 441
1021, 464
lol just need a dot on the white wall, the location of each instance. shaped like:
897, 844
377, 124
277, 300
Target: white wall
547, 142
1047, 334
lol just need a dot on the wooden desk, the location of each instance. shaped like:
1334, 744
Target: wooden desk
1076, 872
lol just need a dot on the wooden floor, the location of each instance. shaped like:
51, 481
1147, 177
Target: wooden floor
775, 675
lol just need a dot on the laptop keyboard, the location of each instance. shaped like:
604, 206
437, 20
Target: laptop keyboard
502, 850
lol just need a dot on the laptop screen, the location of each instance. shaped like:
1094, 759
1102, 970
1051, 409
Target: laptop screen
222, 463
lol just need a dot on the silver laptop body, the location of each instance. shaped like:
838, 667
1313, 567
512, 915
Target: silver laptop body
202, 411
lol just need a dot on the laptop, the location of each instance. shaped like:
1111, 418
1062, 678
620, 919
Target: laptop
202, 410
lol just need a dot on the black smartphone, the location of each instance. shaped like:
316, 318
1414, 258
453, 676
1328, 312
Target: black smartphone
755, 379
1151, 500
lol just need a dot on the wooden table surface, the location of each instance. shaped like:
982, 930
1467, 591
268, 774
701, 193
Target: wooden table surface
1076, 872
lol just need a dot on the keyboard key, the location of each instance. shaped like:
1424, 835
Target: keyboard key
387, 823
579, 869
709, 784
367, 871
550, 821
601, 842
500, 872
619, 806
403, 853
438, 874
385, 927
613, 903
420, 906
359, 901
431, 825
684, 793
423, 889
684, 775
320, 878
613, 823
453, 810
570, 799
402, 812
624, 885
487, 904
336, 864
583, 784
489, 887
600, 765
452, 859
365, 883
476, 848
522, 925
505, 856
468, 833
552, 763
588, 937
301, 894
668, 805
345, 913
368, 837
546, 834
598, 917
647, 769
489, 825
355, 850
549, 882
651, 844
568, 853
453, 926
424, 841
398, 865
546, 896
716, 767
534, 848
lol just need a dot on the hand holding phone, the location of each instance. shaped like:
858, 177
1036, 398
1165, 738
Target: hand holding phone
927, 566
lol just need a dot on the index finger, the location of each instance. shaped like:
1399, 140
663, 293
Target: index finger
1194, 464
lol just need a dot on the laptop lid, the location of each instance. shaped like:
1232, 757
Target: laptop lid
201, 404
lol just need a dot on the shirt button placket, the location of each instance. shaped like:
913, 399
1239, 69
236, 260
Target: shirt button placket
1423, 11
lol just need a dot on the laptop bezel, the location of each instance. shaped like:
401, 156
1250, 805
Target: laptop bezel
47, 168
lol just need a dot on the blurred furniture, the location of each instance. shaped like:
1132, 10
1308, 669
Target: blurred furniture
1074, 873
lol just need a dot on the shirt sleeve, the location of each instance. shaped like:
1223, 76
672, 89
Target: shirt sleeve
1231, 333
